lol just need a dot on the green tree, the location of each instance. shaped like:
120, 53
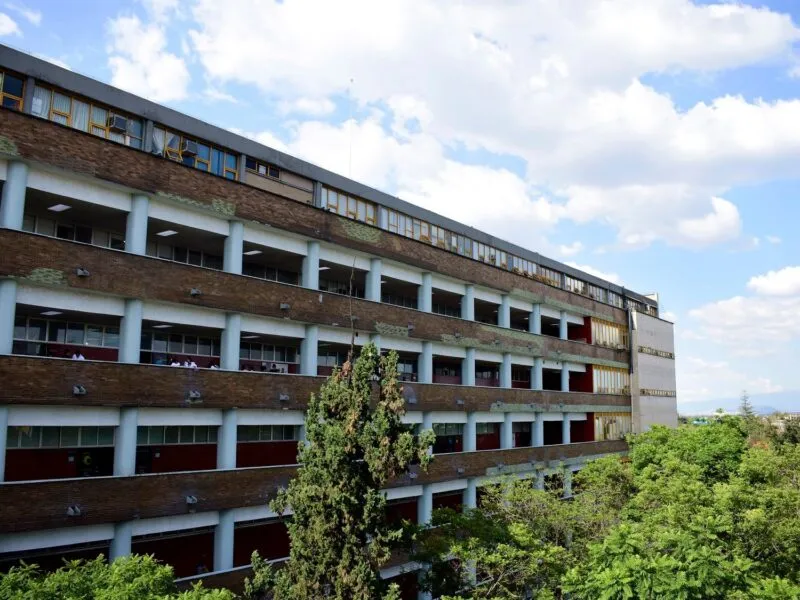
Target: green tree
745, 406
129, 578
338, 532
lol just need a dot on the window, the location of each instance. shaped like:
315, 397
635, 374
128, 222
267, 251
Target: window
195, 153
86, 116
262, 168
574, 285
267, 433
487, 428
438, 236
608, 380
608, 334
348, 206
615, 299
73, 232
549, 276
611, 426
59, 437
61, 332
157, 435
180, 254
446, 429
13, 90
597, 292
341, 287
267, 352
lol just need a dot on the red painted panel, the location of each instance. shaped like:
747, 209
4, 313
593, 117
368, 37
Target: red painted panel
448, 443
58, 463
452, 500
522, 439
188, 554
265, 454
521, 385
448, 379
582, 382
52, 559
170, 458
487, 382
582, 431
488, 441
401, 510
581, 332
270, 539
408, 585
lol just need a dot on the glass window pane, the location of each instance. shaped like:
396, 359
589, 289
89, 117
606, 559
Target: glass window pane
159, 342
76, 333
158, 140
29, 223
61, 103
176, 343
247, 433
94, 335
89, 436
156, 434
80, 115
265, 434
65, 232
41, 102
111, 337
83, 234
45, 226
230, 161
288, 432
37, 329
201, 434
204, 347
135, 128
105, 436
57, 332
216, 162
186, 434
20, 327
195, 258
171, 435
212, 435
244, 350
100, 238
141, 436
12, 85
190, 344
30, 436
69, 437
50, 437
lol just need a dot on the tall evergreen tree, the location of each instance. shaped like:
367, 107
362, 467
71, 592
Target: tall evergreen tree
745, 406
338, 532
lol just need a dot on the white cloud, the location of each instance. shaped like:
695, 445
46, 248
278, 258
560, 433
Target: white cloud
612, 277
740, 323
553, 84
313, 107
161, 10
215, 95
140, 62
8, 26
570, 249
785, 282
55, 61
773, 239
668, 315
34, 17
701, 379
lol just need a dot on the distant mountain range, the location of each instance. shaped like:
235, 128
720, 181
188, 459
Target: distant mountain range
763, 404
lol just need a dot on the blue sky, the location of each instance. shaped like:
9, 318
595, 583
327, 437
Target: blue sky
656, 143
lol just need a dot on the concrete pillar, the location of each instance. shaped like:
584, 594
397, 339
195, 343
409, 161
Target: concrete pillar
504, 312
136, 225
565, 435
425, 294
538, 482
309, 349
12, 200
468, 368
537, 432
468, 303
373, 287
425, 363
226, 440
567, 483
471, 433
427, 424
562, 325
507, 432
375, 338
470, 499
121, 542
130, 332
234, 247
505, 371
535, 320
425, 505
8, 308
231, 341
3, 440
125, 442
564, 377
310, 275
537, 381
223, 541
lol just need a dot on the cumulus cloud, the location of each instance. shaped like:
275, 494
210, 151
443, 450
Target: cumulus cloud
703, 379
785, 282
612, 277
140, 62
8, 26
34, 17
567, 100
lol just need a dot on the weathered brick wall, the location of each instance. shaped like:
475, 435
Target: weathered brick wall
53, 262
47, 381
58, 146
31, 506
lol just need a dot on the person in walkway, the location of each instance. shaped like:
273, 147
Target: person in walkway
175, 363
77, 355
189, 362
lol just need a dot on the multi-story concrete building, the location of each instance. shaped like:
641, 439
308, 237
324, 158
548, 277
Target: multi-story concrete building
135, 238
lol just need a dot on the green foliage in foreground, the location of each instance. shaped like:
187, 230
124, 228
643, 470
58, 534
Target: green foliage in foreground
709, 512
130, 578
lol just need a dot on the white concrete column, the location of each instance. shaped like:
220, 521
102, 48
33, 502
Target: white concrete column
375, 338
223, 541
507, 432
136, 225
537, 432
535, 320
538, 482
564, 377
121, 542
470, 499
3, 440
12, 200
8, 308
470, 441
309, 349
565, 434
504, 312
310, 268
425, 294
468, 368
231, 342
562, 325
130, 332
226, 440
505, 371
125, 442
234, 248
567, 483
468, 303
372, 290
425, 505
425, 363
537, 383
427, 424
